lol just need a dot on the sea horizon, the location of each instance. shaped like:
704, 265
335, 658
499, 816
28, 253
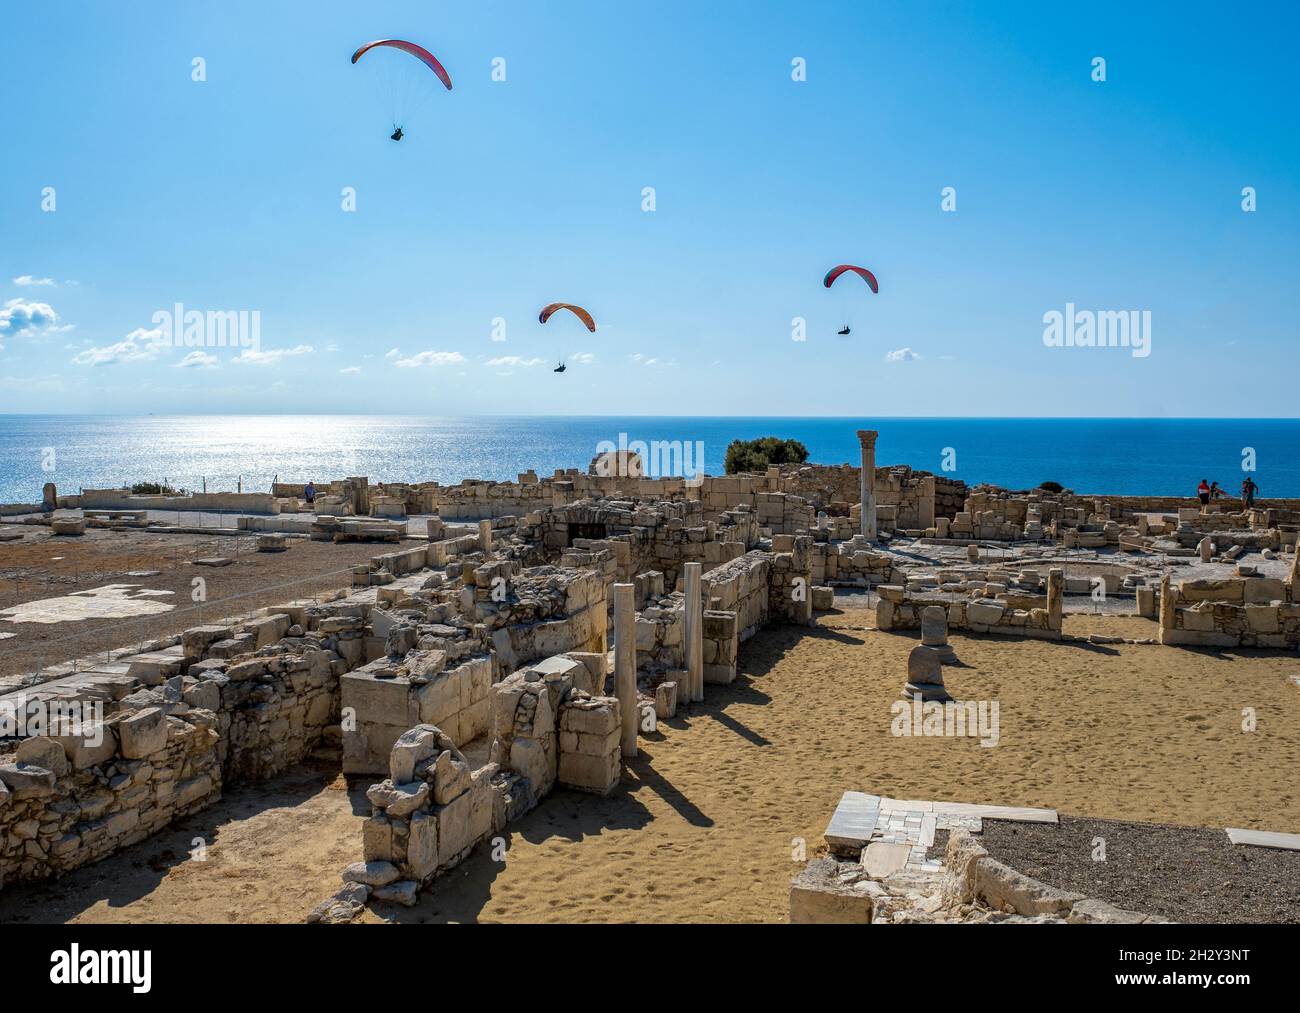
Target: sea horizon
1103, 454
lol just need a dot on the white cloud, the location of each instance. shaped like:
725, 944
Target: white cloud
19, 318
350, 370
513, 360
429, 358
392, 353
27, 279
901, 355
583, 358
138, 346
197, 360
27, 384
270, 356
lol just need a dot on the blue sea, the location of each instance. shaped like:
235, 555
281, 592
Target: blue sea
1132, 456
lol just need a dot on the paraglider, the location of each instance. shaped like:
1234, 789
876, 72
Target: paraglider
405, 84
587, 319
835, 272
577, 311
861, 272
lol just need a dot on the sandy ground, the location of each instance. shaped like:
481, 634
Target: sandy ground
41, 566
707, 821
272, 852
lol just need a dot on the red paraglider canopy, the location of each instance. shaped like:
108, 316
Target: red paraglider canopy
861, 272
577, 311
419, 52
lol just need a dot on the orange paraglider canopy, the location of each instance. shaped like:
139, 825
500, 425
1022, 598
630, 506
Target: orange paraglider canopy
861, 272
419, 52
577, 311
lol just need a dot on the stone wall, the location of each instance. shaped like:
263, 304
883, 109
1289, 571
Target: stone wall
1234, 612
228, 502
163, 750
900, 609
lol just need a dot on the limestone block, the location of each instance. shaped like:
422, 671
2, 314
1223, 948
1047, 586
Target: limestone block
666, 700
143, 733
450, 776
412, 746
43, 751
925, 673
934, 626
984, 613
1001, 886
818, 898
1262, 618
95, 744
528, 758
598, 774
422, 845
455, 829
377, 838
398, 799
25, 781
1091, 911
881, 859
371, 873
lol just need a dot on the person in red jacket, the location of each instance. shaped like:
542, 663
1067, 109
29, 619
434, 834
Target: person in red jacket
1203, 491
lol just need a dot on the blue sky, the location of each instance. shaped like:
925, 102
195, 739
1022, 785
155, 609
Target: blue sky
225, 194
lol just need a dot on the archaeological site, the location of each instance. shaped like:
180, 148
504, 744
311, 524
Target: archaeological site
855, 694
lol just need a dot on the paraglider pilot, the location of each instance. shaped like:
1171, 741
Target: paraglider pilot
396, 135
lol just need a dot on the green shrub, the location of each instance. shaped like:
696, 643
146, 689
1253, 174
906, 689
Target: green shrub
155, 489
1051, 486
756, 455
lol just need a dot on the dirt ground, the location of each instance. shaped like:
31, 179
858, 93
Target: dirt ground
708, 820
43, 566
1183, 874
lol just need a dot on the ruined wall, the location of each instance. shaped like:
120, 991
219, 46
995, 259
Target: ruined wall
1232, 612
1018, 615
159, 754
229, 502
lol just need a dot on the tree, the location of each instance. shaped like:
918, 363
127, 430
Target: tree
1051, 486
756, 455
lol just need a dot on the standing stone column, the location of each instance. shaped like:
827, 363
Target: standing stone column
1167, 605
485, 537
693, 632
867, 439
1295, 572
925, 503
625, 663
934, 633
1055, 598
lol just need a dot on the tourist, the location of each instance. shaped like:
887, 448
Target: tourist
309, 494
1215, 492
1203, 491
1248, 490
